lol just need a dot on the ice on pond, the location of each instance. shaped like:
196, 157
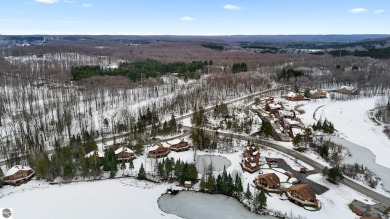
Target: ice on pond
200, 205
218, 163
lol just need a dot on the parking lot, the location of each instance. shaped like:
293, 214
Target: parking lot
317, 188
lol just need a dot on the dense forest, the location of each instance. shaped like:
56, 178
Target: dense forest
135, 70
381, 53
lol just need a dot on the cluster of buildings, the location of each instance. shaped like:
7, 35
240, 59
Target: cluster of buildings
122, 153
21, 174
162, 149
300, 194
286, 125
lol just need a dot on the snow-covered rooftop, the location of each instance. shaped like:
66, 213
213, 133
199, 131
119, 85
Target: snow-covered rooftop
274, 106
290, 122
154, 148
15, 169
174, 141
165, 144
123, 149
291, 94
348, 88
297, 131
286, 113
92, 153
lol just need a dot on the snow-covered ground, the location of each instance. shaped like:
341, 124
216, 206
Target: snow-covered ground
352, 123
355, 130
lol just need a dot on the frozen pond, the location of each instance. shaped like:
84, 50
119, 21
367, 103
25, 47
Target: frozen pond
362, 155
200, 205
218, 162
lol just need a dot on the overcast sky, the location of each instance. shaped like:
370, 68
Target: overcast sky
194, 17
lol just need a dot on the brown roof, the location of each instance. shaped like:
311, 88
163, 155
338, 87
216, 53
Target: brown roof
271, 178
303, 192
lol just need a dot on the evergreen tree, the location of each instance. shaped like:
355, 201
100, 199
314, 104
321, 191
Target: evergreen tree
123, 167
131, 166
248, 194
84, 165
161, 170
178, 168
110, 162
89, 146
42, 167
168, 167
334, 174
184, 173
238, 184
202, 184
141, 173
266, 128
192, 172
69, 171
1, 177
260, 200
307, 93
210, 183
172, 124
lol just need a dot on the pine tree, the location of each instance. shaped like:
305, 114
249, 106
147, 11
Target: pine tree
131, 166
168, 167
248, 194
161, 170
192, 172
172, 124
184, 173
1, 178
238, 184
123, 167
210, 183
141, 173
178, 168
202, 184
260, 200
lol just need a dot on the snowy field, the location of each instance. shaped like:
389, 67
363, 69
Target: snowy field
205, 206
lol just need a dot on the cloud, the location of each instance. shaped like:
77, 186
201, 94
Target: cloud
357, 10
87, 5
232, 7
379, 11
47, 1
186, 18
